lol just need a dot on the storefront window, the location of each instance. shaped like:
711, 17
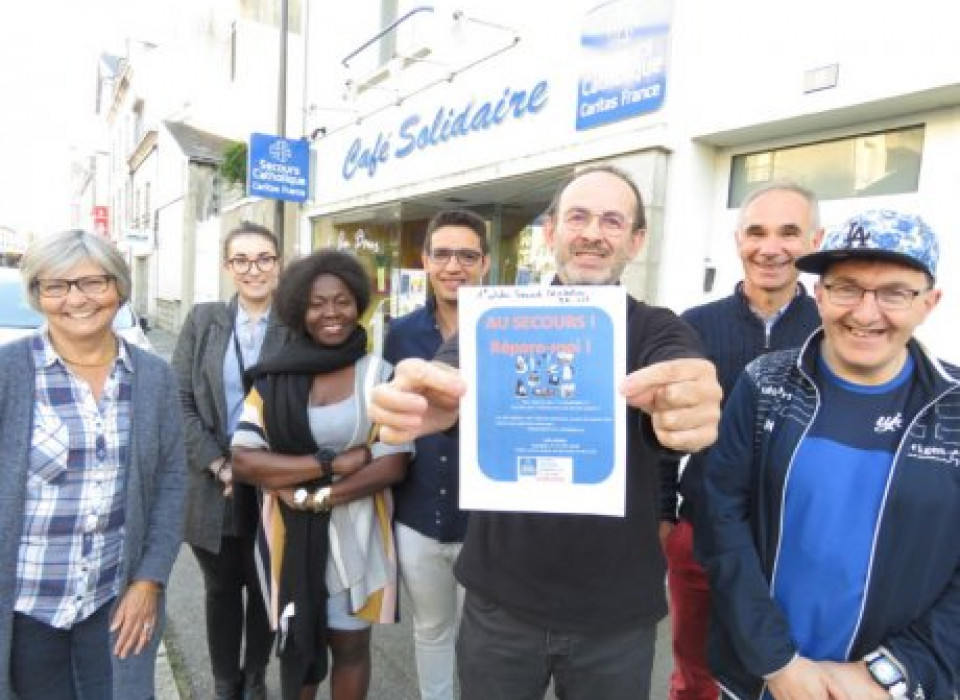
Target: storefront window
372, 244
376, 243
535, 264
860, 166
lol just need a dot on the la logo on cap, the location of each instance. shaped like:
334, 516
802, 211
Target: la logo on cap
857, 236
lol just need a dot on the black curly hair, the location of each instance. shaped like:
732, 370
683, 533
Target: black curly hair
293, 291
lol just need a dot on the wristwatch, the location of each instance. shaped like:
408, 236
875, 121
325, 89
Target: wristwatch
886, 673
325, 457
321, 500
300, 497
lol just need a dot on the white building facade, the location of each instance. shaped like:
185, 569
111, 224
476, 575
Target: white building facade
127, 103
199, 76
489, 104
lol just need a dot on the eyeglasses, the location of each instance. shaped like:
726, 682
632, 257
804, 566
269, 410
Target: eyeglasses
91, 284
888, 298
264, 263
612, 223
466, 257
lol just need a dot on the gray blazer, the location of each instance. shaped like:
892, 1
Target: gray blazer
154, 491
198, 363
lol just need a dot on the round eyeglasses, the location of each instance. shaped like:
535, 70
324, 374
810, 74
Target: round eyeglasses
612, 223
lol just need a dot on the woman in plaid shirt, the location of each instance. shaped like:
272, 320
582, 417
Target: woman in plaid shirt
92, 487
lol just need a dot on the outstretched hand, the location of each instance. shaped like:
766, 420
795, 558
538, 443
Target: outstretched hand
422, 398
683, 399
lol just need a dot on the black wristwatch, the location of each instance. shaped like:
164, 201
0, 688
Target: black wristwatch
886, 673
325, 457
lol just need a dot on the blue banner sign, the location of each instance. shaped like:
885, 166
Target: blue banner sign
624, 45
278, 168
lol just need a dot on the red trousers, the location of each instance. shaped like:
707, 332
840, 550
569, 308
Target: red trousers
690, 614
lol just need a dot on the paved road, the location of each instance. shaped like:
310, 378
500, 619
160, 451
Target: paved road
394, 675
394, 672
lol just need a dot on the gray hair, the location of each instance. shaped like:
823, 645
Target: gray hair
54, 255
783, 186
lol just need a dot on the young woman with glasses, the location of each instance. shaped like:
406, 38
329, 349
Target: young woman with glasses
217, 344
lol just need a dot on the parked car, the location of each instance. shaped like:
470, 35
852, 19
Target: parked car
131, 327
18, 318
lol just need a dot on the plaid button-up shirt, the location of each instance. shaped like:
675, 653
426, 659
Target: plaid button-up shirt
70, 551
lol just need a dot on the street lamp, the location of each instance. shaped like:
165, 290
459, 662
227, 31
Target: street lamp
281, 113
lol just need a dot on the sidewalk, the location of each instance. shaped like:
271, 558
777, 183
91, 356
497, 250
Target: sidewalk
163, 342
166, 684
394, 674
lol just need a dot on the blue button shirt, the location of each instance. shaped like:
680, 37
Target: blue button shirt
250, 341
427, 500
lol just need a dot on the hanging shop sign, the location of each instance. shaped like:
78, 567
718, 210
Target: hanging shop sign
278, 168
624, 46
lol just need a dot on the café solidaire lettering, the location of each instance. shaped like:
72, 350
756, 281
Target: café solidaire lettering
418, 134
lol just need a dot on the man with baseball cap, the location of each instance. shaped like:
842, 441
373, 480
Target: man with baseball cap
830, 527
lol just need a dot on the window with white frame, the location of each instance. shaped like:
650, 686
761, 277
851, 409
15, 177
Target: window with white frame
866, 165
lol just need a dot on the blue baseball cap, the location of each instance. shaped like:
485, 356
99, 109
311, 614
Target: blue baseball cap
878, 234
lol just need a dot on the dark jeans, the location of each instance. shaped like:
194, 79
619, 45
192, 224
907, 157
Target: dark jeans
502, 658
229, 620
47, 663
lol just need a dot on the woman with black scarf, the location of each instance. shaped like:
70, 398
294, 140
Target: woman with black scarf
329, 564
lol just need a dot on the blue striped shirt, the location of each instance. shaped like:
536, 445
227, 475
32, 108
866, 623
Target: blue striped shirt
68, 562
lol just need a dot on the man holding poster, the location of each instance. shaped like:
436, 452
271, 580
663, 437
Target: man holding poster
575, 598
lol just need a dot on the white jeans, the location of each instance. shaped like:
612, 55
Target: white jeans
426, 569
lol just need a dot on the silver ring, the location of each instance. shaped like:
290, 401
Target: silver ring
147, 626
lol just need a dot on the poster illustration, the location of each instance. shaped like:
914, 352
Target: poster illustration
542, 428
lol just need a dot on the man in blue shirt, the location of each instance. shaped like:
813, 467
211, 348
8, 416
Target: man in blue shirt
429, 524
831, 501
769, 310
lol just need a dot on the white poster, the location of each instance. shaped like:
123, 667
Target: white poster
543, 428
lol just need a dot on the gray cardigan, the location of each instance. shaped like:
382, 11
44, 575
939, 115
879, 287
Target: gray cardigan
154, 495
198, 363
